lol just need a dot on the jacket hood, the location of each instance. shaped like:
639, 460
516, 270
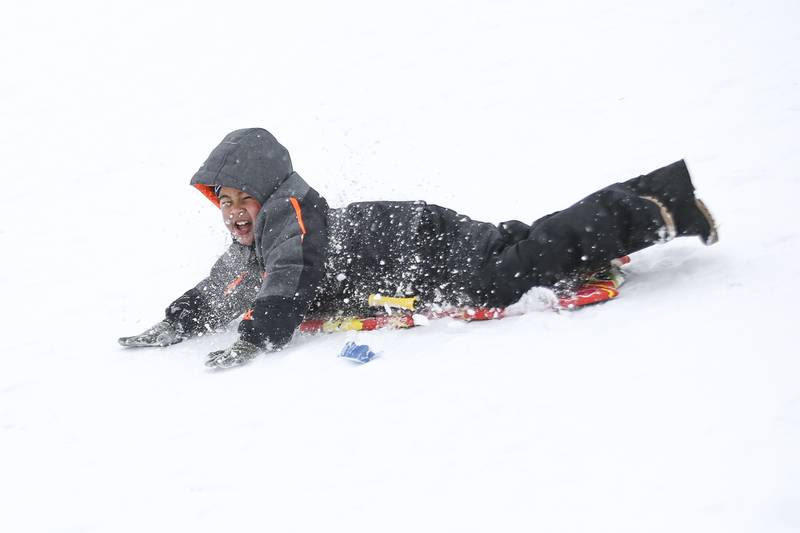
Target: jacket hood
250, 160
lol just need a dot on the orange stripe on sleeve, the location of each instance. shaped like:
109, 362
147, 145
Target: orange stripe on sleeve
299, 213
233, 284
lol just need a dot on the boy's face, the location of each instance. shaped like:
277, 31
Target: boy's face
239, 212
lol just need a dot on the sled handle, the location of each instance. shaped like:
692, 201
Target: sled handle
378, 300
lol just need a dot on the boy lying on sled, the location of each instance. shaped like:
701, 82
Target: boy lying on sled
293, 257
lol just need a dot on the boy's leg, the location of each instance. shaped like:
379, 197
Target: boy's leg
618, 220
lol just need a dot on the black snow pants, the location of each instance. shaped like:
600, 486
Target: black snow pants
612, 222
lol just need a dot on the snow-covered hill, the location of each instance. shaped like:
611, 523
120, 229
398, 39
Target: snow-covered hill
674, 408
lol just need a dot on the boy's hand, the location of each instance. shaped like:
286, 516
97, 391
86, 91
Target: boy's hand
240, 353
162, 334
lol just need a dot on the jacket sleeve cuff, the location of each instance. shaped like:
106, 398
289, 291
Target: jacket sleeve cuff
185, 311
273, 322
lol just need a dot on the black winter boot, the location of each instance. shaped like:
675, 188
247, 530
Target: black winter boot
703, 224
672, 188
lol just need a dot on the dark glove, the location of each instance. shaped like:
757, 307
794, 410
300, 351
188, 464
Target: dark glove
240, 353
162, 334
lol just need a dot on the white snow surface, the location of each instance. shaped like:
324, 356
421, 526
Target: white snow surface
675, 407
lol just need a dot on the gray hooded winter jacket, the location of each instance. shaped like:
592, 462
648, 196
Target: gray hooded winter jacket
308, 259
290, 230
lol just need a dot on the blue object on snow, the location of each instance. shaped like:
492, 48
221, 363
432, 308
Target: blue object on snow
359, 353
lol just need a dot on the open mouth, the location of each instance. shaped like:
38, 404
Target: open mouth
242, 227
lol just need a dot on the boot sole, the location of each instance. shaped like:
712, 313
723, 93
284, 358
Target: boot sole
713, 235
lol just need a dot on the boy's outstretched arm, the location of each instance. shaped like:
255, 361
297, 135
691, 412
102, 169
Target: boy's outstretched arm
219, 298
